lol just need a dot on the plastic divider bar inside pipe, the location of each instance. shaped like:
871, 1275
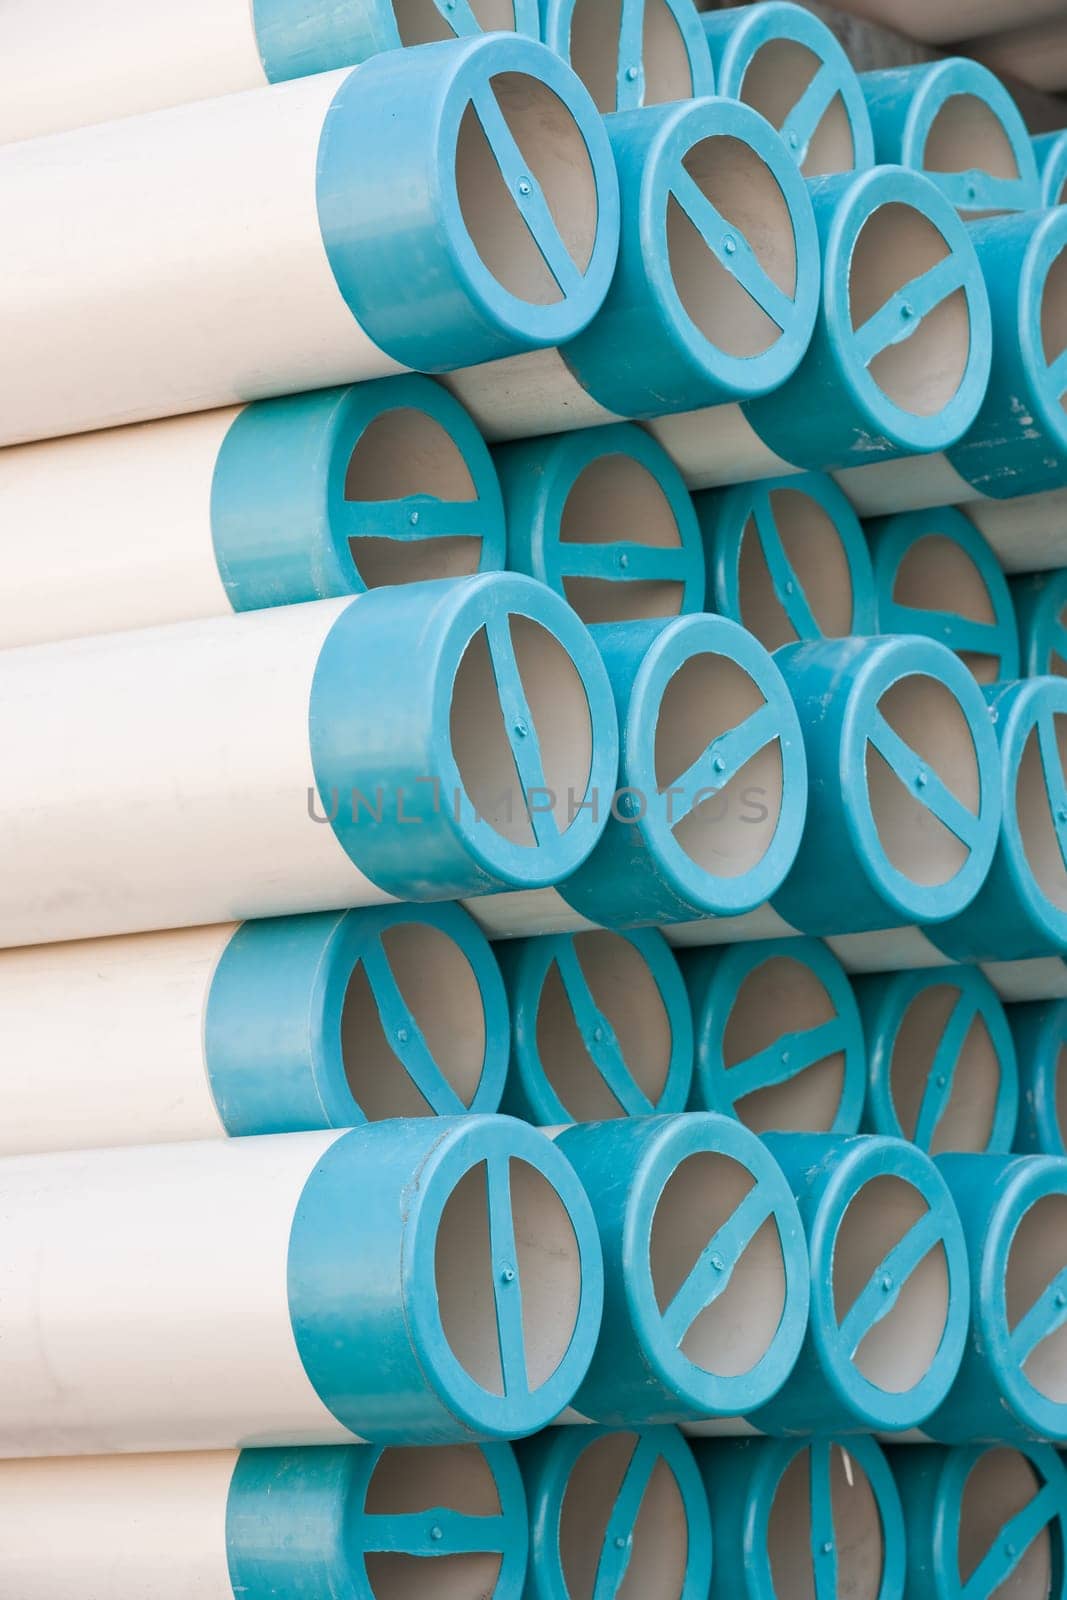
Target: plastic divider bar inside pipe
302, 265
899, 360
418, 1281
711, 793
263, 1523
273, 1026
302, 497
141, 62
313, 738
715, 291
635, 53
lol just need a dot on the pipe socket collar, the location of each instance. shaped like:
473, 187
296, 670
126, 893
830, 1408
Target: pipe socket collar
1041, 606
1039, 1029
658, 56
294, 43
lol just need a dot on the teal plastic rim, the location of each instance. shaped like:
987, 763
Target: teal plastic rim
618, 1549
390, 229
539, 477
759, 511
619, 1064
736, 37
995, 642
299, 1520
717, 980
1051, 152
619, 76
1039, 1029
295, 43
1040, 600
891, 1006
641, 1371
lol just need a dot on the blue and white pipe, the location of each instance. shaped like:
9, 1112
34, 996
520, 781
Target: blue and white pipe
935, 575
711, 793
615, 1511
942, 1067
788, 560
1041, 606
243, 247
68, 69
789, 66
899, 360
1012, 1383
302, 497
778, 1036
1040, 1033
418, 1281
631, 55
265, 1523
715, 292
824, 1513
603, 517
705, 1271
276, 1026
159, 769
983, 1521
1051, 152
600, 1027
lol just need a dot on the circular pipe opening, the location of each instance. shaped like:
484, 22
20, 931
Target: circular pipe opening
966, 135
777, 998
814, 551
922, 373
1033, 810
1037, 1255
480, 741
440, 990
734, 1333
730, 832
929, 718
616, 498
896, 1353
746, 194
1002, 1483
422, 22
857, 1526
775, 78
555, 154
400, 453
659, 1554
626, 993
547, 1267
1054, 313
937, 574
967, 1121
597, 24
411, 1479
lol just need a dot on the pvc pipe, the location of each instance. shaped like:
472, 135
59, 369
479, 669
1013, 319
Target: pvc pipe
273, 1026
602, 516
239, 248
313, 1288
899, 361
790, 67
779, 1042
905, 785
1041, 605
934, 574
714, 295
1035, 54
301, 498
1050, 149
1027, 533
254, 1524
630, 55
706, 1283
246, 740
1016, 440
711, 793
601, 1027
1012, 1384
1043, 978
1040, 1034
615, 1511
1023, 981
955, 121
942, 1069
793, 1517
889, 1286
983, 1521
67, 69
788, 560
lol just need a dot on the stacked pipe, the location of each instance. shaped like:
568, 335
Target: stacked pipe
533, 911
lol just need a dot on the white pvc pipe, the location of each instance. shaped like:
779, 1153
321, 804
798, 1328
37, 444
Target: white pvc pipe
1035, 53
1028, 534
960, 19
717, 446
